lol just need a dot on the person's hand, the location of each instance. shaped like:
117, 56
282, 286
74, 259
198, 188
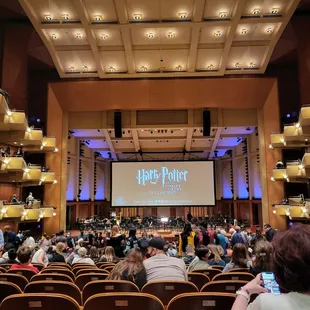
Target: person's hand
255, 286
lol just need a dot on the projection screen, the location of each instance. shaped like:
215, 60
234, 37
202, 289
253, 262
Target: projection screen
139, 184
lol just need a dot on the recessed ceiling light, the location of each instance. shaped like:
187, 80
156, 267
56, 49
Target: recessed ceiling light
182, 15
104, 36
85, 69
65, 16
211, 67
111, 69
150, 35
223, 14
54, 36
137, 16
48, 17
256, 11
98, 18
269, 30
143, 68
244, 31
218, 33
78, 36
170, 34
274, 11
237, 65
179, 67
71, 69
252, 65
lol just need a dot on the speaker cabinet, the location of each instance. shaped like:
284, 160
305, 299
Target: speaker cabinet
118, 124
206, 123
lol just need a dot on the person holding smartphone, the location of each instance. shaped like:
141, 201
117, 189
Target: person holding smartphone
287, 287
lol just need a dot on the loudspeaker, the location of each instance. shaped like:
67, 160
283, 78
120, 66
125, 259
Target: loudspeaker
206, 123
118, 124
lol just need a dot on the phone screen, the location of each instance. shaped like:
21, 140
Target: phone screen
270, 283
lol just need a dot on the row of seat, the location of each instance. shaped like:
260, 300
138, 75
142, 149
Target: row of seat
164, 290
113, 301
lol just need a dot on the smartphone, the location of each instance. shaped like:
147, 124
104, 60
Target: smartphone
270, 283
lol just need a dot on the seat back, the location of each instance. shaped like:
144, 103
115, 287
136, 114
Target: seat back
59, 265
7, 289
202, 301
199, 279
3, 270
108, 268
58, 287
38, 266
27, 273
166, 290
76, 268
51, 277
239, 270
83, 279
39, 300
210, 272
243, 276
17, 279
6, 266
228, 286
218, 267
100, 264
91, 270
60, 271
125, 301
108, 286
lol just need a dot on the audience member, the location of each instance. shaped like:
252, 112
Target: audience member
14, 199
237, 237
203, 236
24, 257
61, 237
187, 237
201, 259
109, 255
94, 254
269, 232
257, 238
263, 251
116, 241
1, 240
240, 258
9, 235
171, 250
12, 254
70, 241
222, 240
162, 267
29, 241
82, 252
132, 241
291, 266
58, 256
40, 256
190, 254
130, 269
215, 256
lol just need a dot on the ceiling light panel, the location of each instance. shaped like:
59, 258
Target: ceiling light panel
56, 9
148, 9
213, 8
256, 32
246, 55
213, 34
206, 57
142, 36
170, 10
67, 36
114, 37
149, 59
265, 6
77, 59
105, 9
175, 58
114, 59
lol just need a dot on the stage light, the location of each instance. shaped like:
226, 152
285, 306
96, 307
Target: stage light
274, 11
150, 35
170, 34
269, 30
218, 33
270, 146
78, 36
98, 18
244, 31
272, 179
104, 36
54, 36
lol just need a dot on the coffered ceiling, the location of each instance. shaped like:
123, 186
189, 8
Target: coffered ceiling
159, 38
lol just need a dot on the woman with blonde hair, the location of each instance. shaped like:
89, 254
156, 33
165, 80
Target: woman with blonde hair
116, 241
262, 251
215, 257
57, 256
109, 255
130, 269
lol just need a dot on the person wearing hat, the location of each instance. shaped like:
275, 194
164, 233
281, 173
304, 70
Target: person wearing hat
159, 266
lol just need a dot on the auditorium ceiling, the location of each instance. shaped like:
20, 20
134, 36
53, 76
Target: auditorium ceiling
164, 144
159, 38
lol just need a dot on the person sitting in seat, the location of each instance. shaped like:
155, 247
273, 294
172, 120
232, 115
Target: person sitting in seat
14, 199
11, 254
190, 254
57, 256
240, 258
201, 259
130, 269
82, 257
160, 266
215, 257
24, 257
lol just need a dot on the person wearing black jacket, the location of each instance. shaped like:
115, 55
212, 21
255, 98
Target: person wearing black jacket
269, 232
189, 217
